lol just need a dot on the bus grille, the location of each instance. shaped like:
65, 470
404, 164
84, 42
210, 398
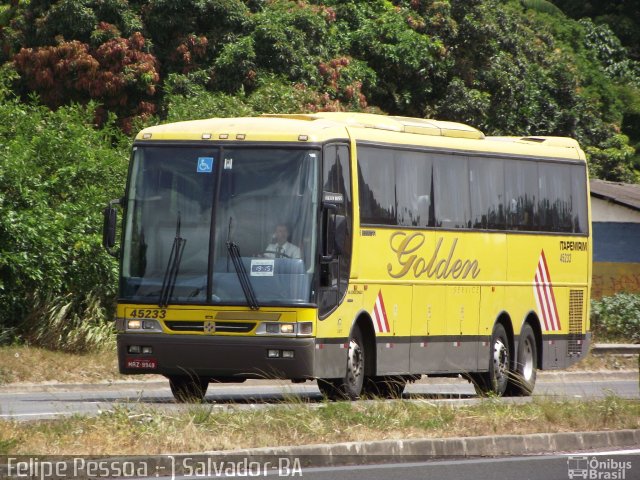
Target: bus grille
576, 304
220, 327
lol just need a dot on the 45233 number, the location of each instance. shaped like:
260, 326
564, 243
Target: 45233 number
148, 313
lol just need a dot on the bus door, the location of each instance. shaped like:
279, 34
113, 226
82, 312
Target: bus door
336, 230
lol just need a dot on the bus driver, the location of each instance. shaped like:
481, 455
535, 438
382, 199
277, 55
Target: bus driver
281, 247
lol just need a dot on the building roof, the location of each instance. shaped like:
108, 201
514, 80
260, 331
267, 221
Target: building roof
625, 194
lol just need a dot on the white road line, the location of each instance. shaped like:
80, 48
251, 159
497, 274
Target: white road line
612, 452
43, 414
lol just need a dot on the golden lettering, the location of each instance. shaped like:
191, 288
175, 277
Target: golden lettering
433, 259
470, 267
405, 246
456, 270
404, 251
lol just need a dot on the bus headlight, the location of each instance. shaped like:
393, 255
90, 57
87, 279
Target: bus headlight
143, 325
305, 328
280, 328
134, 325
288, 329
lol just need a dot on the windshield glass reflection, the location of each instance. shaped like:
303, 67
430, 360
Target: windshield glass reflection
266, 199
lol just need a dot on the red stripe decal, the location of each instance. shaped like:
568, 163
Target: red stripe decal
381, 322
384, 313
553, 297
544, 295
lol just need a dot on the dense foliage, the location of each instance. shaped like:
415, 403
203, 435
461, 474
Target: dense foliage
511, 67
57, 173
617, 318
506, 67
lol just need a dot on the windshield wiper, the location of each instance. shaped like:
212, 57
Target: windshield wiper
173, 265
245, 282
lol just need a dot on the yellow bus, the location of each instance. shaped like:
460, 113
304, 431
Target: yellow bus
362, 251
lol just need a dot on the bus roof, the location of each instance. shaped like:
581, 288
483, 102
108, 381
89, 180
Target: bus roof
324, 126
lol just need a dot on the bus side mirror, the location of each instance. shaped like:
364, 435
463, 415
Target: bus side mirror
109, 227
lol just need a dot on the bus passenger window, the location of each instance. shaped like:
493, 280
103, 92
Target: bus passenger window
486, 180
414, 188
521, 194
451, 191
376, 176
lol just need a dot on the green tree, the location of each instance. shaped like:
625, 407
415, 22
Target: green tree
57, 173
622, 17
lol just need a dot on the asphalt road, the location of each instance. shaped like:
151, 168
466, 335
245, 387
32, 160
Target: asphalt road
40, 402
612, 465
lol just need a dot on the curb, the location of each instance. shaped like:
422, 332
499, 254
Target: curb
398, 451
295, 459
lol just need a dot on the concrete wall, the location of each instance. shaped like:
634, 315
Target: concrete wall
604, 211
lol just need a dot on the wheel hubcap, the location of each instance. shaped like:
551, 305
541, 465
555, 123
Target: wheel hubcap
500, 361
527, 360
355, 362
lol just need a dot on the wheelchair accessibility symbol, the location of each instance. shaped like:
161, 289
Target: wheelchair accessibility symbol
205, 164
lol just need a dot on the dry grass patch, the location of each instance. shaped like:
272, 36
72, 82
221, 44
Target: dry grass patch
204, 427
32, 365
606, 362
23, 364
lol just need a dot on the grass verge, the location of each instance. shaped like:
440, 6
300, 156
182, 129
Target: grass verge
126, 431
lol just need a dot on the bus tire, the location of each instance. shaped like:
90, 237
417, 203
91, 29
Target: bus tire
353, 381
385, 387
350, 386
188, 388
523, 379
496, 379
329, 388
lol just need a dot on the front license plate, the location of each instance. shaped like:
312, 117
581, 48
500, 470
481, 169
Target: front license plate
142, 363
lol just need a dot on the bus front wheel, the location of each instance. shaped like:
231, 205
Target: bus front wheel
187, 388
350, 386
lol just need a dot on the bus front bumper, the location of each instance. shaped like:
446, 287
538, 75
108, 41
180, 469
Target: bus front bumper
222, 357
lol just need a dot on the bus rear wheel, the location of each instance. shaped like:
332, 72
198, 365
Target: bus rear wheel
496, 379
187, 389
350, 386
523, 379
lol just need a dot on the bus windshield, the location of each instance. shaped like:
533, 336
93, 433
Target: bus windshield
198, 217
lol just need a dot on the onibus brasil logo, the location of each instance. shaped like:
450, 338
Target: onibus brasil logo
594, 468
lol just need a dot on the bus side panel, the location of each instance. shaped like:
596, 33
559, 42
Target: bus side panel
556, 275
461, 327
469, 259
518, 303
492, 304
390, 309
332, 336
428, 330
